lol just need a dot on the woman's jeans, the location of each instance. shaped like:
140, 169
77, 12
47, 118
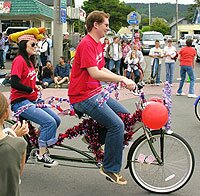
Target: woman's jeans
113, 63
169, 72
45, 117
107, 116
189, 71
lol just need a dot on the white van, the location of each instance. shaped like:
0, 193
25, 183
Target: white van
149, 38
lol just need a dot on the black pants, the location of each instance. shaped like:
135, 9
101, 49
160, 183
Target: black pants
1, 59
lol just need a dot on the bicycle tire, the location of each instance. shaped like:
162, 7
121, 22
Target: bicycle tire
173, 174
8, 124
197, 108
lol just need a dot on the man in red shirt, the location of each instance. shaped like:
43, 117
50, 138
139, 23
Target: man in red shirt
85, 87
186, 58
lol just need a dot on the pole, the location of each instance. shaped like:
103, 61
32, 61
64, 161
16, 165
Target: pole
57, 33
149, 14
177, 37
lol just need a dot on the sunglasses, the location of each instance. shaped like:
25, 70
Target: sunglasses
33, 45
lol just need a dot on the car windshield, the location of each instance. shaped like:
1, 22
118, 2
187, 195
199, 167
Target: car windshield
152, 37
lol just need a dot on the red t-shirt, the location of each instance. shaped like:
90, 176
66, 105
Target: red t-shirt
27, 77
187, 55
89, 53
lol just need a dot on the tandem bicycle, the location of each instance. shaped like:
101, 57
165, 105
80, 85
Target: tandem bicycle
159, 161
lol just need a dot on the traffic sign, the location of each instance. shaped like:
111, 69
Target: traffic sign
133, 18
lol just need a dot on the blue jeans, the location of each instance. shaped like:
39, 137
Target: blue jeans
45, 117
169, 72
107, 116
113, 63
189, 71
156, 70
48, 80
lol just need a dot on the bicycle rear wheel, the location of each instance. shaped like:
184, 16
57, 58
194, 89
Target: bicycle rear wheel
197, 108
176, 169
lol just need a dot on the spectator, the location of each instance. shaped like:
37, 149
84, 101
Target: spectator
12, 153
105, 47
2, 47
125, 50
47, 74
61, 72
115, 54
44, 50
169, 53
186, 58
6, 43
136, 41
156, 53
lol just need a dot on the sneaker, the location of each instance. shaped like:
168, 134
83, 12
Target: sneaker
157, 84
114, 177
192, 96
180, 94
47, 160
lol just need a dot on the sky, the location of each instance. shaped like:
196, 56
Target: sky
80, 2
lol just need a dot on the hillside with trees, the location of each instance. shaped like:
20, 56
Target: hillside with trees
165, 10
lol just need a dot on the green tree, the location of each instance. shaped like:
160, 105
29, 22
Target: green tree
145, 28
118, 11
160, 25
191, 10
144, 21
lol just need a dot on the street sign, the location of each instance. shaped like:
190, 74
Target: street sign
133, 18
63, 11
63, 15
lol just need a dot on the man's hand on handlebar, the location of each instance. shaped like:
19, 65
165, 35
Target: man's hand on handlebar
129, 84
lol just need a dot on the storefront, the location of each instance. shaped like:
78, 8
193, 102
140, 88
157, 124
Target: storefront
29, 13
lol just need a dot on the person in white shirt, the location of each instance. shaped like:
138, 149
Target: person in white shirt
169, 54
156, 53
134, 59
115, 54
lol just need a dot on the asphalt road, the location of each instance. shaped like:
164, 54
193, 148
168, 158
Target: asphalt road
74, 181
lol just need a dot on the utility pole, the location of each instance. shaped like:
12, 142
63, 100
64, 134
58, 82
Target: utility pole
149, 14
57, 33
177, 21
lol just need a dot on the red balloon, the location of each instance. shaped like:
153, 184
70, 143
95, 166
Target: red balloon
155, 115
156, 99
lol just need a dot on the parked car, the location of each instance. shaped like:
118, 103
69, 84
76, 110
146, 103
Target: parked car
148, 40
182, 40
166, 37
197, 47
13, 47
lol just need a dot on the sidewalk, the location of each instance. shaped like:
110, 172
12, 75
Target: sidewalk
62, 92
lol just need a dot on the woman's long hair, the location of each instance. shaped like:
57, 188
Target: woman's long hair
22, 51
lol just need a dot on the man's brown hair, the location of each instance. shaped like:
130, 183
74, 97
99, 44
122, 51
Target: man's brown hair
95, 16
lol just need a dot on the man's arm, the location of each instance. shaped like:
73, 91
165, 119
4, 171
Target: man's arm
107, 76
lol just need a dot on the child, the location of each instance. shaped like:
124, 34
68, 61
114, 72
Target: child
133, 66
12, 154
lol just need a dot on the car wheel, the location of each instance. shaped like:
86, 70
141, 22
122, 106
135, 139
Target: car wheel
198, 59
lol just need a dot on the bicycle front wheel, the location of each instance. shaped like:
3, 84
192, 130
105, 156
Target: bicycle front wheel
175, 170
197, 108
